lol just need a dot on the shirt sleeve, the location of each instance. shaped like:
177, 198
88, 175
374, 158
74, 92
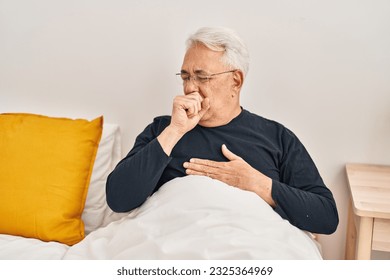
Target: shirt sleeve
136, 176
301, 195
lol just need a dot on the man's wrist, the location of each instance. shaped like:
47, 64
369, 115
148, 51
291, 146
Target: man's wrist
169, 138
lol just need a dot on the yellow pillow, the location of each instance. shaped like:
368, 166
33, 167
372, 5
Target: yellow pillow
45, 168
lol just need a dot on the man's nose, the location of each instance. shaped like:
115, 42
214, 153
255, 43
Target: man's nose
190, 86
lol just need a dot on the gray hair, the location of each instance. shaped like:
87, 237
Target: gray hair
236, 53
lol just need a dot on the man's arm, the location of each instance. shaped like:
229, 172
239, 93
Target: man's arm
301, 196
136, 177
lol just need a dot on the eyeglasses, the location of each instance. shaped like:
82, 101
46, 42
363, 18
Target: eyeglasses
200, 78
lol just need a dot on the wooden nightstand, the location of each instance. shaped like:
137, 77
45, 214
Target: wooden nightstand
369, 211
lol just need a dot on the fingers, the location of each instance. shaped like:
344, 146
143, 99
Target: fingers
216, 170
198, 166
191, 103
203, 167
194, 172
228, 154
207, 163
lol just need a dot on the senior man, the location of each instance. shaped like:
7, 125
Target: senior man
210, 134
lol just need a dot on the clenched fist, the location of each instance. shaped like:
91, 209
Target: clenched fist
187, 111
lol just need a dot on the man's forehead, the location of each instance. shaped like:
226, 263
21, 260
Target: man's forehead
201, 60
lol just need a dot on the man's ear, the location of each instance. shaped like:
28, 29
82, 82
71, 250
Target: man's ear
238, 78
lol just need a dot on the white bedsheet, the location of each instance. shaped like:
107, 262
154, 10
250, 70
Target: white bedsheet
198, 218
21, 248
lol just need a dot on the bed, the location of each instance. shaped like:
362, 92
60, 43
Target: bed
192, 217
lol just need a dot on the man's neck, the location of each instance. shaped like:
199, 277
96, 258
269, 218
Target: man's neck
214, 121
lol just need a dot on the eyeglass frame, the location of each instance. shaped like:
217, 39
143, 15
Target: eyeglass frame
207, 77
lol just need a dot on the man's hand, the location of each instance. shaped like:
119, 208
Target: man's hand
187, 111
236, 172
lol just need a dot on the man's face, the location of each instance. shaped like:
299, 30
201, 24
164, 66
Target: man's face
201, 60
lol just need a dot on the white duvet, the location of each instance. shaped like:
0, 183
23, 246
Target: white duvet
196, 217
192, 217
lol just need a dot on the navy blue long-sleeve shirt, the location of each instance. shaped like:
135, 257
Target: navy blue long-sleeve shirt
298, 190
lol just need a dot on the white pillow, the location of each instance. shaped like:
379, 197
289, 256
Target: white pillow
96, 212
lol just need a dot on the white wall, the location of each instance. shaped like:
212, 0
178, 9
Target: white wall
322, 68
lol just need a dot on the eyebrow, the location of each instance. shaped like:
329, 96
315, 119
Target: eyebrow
200, 71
